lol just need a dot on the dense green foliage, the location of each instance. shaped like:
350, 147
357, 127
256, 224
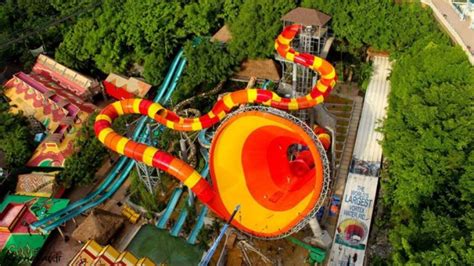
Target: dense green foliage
429, 146
16, 141
16, 17
80, 168
255, 27
378, 23
428, 187
428, 184
148, 33
28, 24
209, 63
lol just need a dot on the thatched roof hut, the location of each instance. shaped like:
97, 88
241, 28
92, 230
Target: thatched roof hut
258, 68
100, 226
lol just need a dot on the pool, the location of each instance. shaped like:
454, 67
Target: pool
161, 247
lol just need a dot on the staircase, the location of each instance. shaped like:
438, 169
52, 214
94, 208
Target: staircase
347, 112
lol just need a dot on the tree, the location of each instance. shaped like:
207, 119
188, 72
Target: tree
81, 166
257, 40
431, 209
207, 64
19, 18
357, 23
97, 39
16, 140
127, 32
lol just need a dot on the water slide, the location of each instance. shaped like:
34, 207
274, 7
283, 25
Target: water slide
204, 139
122, 167
265, 84
208, 255
327, 46
277, 195
198, 226
192, 238
173, 201
184, 212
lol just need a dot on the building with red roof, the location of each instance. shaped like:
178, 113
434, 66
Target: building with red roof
58, 97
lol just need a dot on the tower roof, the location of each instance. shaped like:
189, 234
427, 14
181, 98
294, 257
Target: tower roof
306, 17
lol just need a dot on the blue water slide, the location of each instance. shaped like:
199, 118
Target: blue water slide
175, 80
110, 177
169, 208
192, 238
265, 84
203, 140
198, 226
77, 207
173, 76
123, 176
96, 200
184, 212
178, 58
180, 222
208, 255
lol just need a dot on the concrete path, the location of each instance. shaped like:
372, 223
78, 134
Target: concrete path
457, 29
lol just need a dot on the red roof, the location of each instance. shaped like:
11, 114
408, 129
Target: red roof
10, 214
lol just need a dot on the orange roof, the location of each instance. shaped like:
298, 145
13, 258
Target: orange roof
259, 68
132, 85
9, 215
223, 35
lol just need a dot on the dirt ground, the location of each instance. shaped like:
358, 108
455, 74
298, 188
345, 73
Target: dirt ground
278, 252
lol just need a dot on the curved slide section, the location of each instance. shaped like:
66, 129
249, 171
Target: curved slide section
121, 168
290, 132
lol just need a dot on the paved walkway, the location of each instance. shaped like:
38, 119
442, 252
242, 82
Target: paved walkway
457, 29
368, 149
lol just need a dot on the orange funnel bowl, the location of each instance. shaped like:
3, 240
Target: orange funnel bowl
273, 166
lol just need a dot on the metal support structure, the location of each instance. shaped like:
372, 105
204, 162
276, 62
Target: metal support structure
150, 176
310, 40
320, 237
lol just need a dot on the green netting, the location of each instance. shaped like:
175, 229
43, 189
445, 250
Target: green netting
161, 247
41, 206
24, 244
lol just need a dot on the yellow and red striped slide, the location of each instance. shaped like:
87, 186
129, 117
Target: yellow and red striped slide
189, 176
